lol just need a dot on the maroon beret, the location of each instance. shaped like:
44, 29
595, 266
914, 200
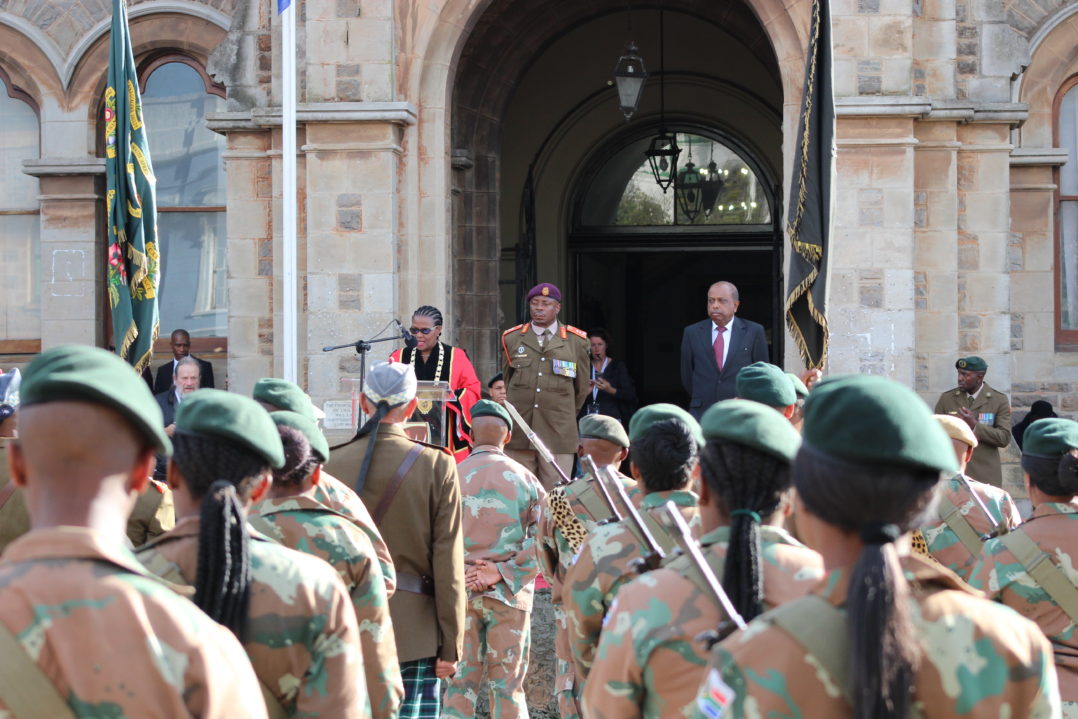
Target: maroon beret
544, 289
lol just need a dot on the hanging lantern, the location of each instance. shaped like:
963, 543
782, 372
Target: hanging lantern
710, 187
630, 74
662, 155
689, 191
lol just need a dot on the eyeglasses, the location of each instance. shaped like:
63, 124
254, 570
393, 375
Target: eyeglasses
421, 330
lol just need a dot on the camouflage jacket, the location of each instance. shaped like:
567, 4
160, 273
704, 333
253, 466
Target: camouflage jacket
555, 550
500, 503
301, 635
601, 568
649, 661
945, 546
978, 659
340, 497
113, 639
302, 523
1054, 528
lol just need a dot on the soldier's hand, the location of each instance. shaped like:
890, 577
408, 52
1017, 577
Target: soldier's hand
811, 377
169, 430
444, 669
966, 416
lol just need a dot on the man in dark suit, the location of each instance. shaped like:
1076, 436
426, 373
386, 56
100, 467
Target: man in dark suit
180, 342
713, 350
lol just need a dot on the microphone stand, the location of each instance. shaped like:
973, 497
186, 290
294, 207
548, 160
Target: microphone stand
362, 347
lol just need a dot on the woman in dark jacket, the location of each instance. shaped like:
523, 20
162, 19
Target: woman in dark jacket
612, 390
1040, 409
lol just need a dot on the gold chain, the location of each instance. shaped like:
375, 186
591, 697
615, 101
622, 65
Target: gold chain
425, 405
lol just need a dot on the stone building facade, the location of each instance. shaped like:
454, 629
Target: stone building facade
421, 123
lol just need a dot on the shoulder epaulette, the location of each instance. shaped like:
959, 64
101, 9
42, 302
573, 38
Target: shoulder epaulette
511, 329
577, 331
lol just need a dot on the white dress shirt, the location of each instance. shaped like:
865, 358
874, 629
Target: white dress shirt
725, 338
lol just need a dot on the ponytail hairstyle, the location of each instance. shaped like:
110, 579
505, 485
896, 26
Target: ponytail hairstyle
433, 313
880, 503
299, 461
1054, 477
749, 485
222, 475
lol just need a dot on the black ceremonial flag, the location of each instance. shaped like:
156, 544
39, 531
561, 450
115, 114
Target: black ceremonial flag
809, 220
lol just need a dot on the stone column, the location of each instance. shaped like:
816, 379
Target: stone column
871, 283
72, 259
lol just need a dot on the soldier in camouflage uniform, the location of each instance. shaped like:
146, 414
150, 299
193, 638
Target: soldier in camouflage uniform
884, 634
649, 661
1032, 569
291, 610
294, 518
501, 502
77, 611
955, 541
570, 513
281, 395
665, 464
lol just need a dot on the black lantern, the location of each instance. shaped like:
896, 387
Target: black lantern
662, 155
688, 191
710, 187
630, 74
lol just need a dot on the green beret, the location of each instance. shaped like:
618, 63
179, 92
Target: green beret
599, 426
217, 414
1050, 438
752, 424
645, 417
800, 390
872, 419
972, 364
765, 383
308, 427
488, 408
285, 395
88, 374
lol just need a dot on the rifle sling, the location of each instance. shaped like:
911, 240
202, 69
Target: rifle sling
24, 688
1044, 572
958, 524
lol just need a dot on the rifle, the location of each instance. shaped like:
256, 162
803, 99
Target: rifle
679, 530
593, 469
998, 528
654, 555
540, 448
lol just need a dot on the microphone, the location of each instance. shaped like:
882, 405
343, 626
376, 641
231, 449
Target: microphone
409, 340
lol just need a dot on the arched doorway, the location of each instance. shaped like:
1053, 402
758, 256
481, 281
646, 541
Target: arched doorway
641, 259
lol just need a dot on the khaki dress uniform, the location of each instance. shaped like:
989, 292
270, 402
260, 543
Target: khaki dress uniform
422, 528
548, 385
153, 515
993, 429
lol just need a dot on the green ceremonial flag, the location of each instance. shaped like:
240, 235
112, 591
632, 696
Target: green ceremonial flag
131, 206
809, 220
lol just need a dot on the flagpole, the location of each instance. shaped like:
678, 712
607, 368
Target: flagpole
289, 345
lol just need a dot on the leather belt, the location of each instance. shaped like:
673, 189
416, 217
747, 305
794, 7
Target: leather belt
415, 584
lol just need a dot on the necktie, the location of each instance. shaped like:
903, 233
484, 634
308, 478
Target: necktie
719, 346
544, 338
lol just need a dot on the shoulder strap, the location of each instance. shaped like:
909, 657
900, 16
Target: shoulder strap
6, 493
395, 483
162, 568
958, 524
715, 562
24, 688
592, 503
662, 536
273, 706
821, 629
1044, 571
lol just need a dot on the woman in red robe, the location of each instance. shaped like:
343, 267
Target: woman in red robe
432, 359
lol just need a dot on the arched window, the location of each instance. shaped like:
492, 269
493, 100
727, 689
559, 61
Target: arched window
624, 192
176, 96
20, 245
1067, 219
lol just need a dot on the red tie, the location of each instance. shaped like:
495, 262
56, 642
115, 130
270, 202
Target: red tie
719, 346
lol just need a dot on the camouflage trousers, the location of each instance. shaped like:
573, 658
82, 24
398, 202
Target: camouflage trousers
498, 637
566, 686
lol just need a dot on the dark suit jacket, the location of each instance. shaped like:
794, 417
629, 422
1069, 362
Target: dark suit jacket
700, 374
167, 402
620, 406
165, 373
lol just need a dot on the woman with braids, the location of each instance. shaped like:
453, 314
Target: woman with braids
650, 662
293, 516
433, 360
885, 634
290, 610
1032, 568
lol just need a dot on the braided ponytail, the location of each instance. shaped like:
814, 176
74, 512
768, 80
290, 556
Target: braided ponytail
222, 475
749, 485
